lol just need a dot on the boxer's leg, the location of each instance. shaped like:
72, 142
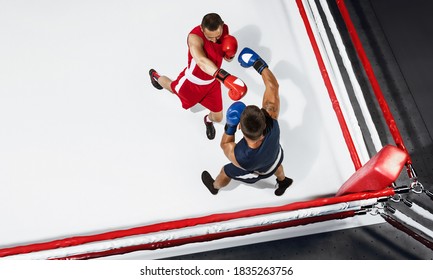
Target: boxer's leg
160, 82
213, 186
282, 181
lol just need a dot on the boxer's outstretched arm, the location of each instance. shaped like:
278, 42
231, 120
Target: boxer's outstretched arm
195, 44
271, 98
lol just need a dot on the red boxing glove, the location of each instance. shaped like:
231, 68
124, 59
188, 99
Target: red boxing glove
229, 46
237, 88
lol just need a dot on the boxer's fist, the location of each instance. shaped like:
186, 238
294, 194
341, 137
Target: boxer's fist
233, 117
247, 58
229, 46
237, 88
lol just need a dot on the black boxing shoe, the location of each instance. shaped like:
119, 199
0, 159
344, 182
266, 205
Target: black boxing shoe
210, 129
208, 182
154, 78
282, 186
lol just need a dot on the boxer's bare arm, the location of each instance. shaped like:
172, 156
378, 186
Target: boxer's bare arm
271, 98
195, 44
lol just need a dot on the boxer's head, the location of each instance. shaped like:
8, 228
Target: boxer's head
253, 122
212, 27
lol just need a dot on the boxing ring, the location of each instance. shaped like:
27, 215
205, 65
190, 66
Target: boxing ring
95, 163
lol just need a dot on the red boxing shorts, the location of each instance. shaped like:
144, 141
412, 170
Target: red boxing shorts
192, 90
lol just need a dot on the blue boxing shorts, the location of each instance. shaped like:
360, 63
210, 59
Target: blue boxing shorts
250, 177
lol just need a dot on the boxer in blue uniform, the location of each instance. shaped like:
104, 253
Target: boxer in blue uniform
258, 155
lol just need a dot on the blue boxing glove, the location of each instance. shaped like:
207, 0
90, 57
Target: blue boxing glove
247, 58
233, 117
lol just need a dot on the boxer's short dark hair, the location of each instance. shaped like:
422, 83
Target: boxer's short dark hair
253, 122
211, 21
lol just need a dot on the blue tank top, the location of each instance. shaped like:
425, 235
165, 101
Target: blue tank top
263, 157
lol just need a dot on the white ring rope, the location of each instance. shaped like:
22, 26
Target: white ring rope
337, 79
421, 211
354, 82
409, 221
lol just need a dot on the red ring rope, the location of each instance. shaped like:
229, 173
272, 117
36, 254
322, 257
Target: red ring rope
78, 240
209, 237
390, 121
330, 88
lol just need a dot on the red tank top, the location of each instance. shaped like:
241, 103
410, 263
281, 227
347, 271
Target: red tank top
212, 50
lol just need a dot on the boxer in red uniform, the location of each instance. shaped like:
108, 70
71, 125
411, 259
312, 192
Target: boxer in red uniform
200, 82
